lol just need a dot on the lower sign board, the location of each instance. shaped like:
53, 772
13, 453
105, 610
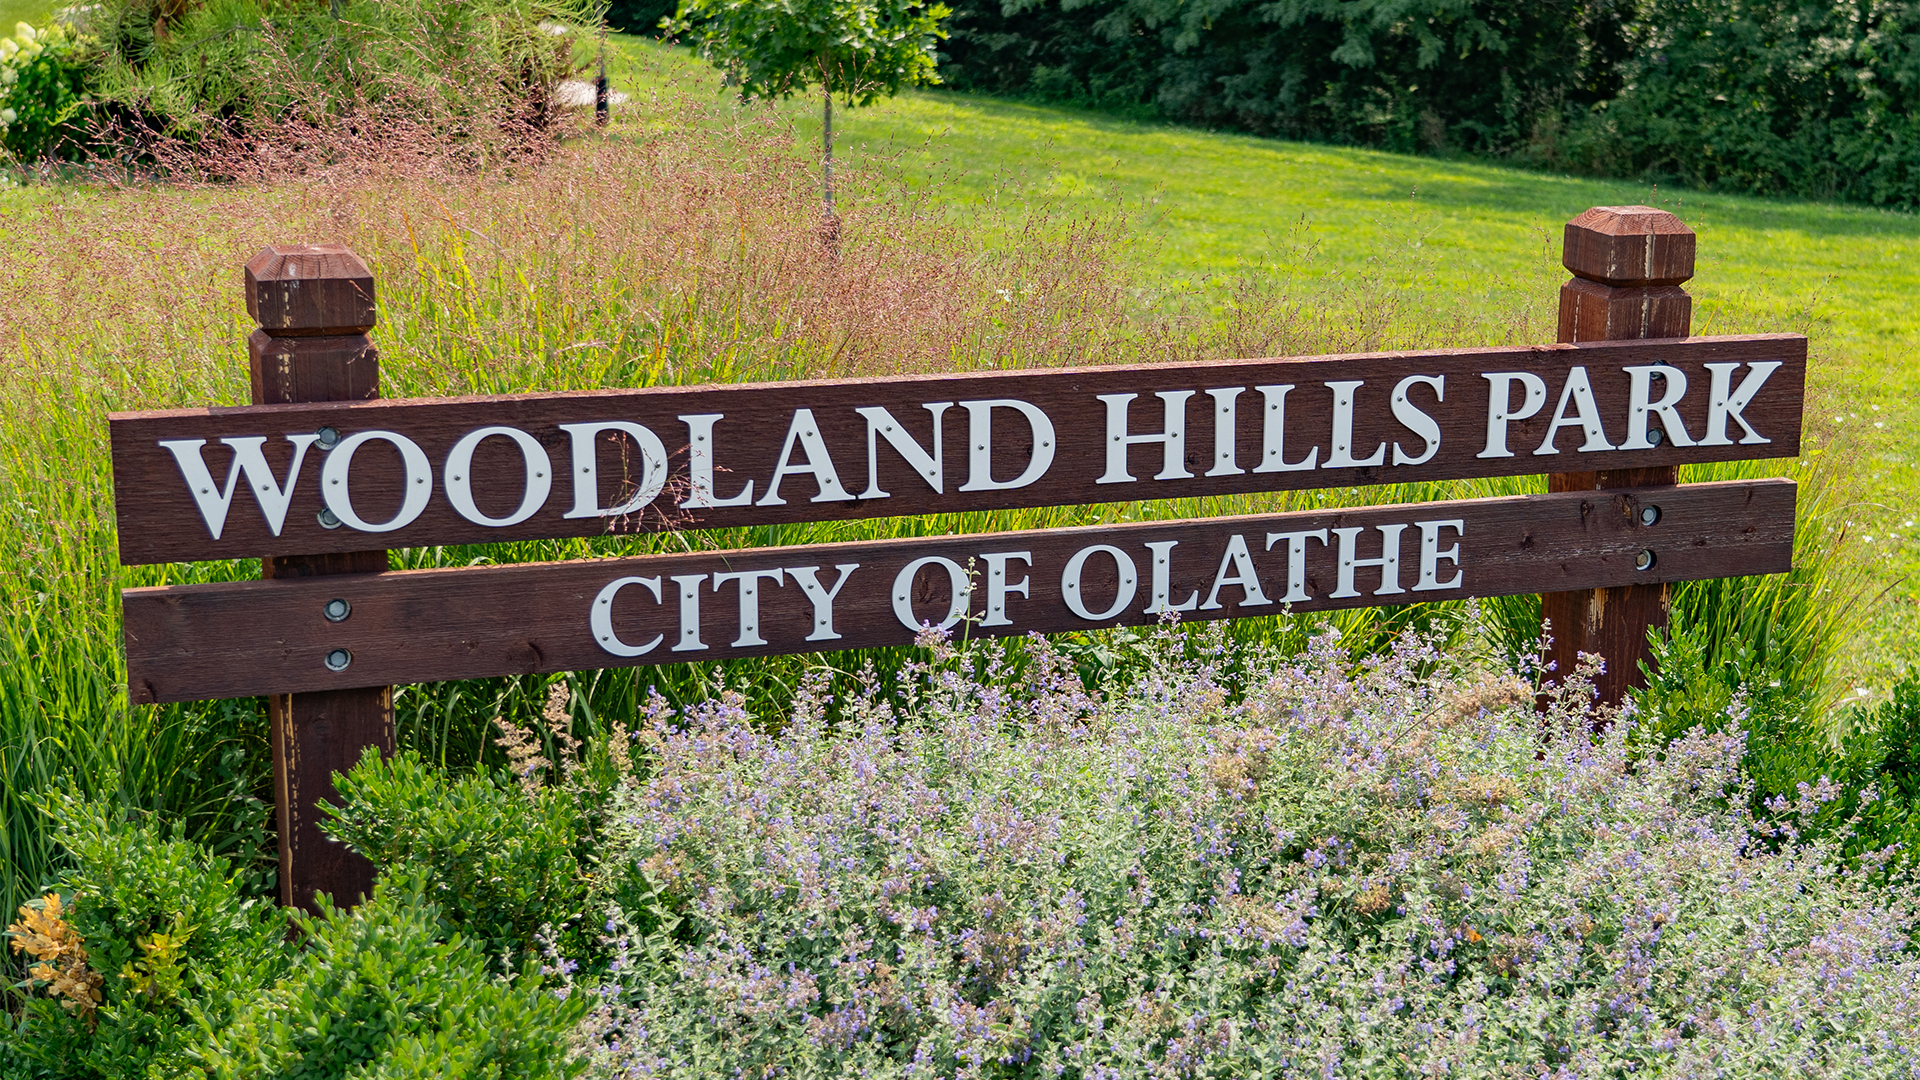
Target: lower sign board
283, 636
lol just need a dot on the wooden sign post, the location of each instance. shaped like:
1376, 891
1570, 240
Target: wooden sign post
320, 477
315, 304
1628, 263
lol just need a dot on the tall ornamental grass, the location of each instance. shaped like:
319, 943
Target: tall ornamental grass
682, 248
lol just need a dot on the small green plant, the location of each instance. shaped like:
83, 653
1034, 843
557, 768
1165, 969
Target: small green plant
43, 76
500, 863
388, 990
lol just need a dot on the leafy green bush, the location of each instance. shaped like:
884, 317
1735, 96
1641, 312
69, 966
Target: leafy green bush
468, 72
42, 92
1780, 96
150, 961
384, 991
159, 929
501, 863
1397, 869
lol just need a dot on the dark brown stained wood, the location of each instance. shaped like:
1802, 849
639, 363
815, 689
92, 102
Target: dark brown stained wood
318, 301
241, 638
301, 369
1628, 246
1593, 312
159, 520
1628, 264
297, 290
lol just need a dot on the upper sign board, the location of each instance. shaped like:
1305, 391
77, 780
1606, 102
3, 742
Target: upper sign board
319, 478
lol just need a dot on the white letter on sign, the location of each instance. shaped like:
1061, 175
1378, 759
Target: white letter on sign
586, 468
1237, 555
689, 612
700, 454
1273, 451
980, 444
1388, 562
539, 482
1639, 407
1410, 416
1070, 583
819, 464
1161, 552
1296, 561
998, 587
1500, 407
903, 592
1173, 460
881, 424
272, 496
809, 579
337, 492
1342, 456
1430, 555
1723, 402
601, 620
1578, 391
1225, 431
749, 602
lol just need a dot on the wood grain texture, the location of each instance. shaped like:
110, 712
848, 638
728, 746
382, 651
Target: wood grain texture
1590, 311
323, 296
1628, 246
242, 638
1628, 263
159, 520
296, 290
287, 370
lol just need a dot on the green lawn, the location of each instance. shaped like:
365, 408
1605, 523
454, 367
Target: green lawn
1457, 233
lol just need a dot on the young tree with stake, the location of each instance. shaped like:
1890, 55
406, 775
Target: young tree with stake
859, 50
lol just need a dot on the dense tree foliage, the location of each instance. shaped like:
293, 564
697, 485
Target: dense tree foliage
1787, 96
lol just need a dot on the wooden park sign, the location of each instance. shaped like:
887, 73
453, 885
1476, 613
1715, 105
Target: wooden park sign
319, 477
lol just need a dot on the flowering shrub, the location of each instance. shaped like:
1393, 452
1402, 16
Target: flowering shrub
42, 91
1396, 871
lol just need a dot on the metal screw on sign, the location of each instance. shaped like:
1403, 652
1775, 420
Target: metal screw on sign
1649, 515
1645, 560
328, 519
337, 610
328, 438
338, 659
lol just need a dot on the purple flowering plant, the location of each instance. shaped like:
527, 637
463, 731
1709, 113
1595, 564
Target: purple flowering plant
1223, 867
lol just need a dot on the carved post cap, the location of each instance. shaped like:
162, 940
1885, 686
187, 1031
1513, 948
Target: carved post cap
1628, 246
304, 290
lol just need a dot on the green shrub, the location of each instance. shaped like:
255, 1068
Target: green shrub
168, 935
1775, 97
384, 991
42, 92
499, 862
366, 72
